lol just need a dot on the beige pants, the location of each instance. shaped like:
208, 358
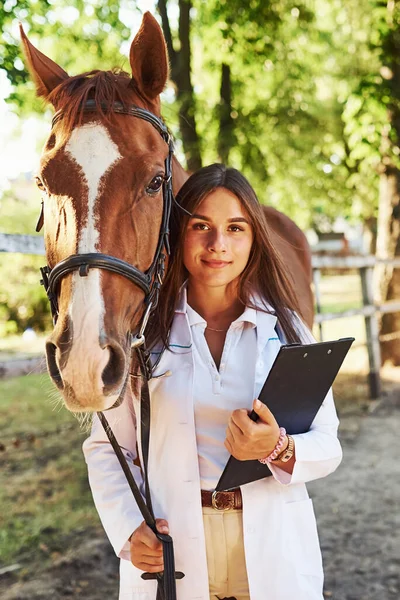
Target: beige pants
227, 575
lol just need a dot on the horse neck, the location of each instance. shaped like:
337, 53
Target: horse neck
179, 175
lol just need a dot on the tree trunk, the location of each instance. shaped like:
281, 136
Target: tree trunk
388, 237
388, 227
226, 137
181, 77
387, 279
390, 324
369, 235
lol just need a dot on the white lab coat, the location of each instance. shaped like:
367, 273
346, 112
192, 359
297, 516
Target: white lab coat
282, 551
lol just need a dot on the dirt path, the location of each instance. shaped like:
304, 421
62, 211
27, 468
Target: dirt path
358, 512
88, 572
358, 509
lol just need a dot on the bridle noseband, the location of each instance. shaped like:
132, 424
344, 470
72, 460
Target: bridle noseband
150, 281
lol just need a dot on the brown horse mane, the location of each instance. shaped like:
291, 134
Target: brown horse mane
104, 87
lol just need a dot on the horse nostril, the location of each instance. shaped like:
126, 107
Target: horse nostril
52, 365
114, 371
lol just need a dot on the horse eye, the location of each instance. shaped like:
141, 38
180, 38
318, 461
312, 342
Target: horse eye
40, 184
155, 184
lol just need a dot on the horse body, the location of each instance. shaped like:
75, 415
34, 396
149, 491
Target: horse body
101, 175
295, 252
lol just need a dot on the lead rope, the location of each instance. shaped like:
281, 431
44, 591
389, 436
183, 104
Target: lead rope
166, 589
166, 580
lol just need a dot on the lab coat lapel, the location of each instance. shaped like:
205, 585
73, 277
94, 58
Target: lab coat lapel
174, 473
268, 345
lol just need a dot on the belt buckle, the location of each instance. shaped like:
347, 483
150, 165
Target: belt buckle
214, 502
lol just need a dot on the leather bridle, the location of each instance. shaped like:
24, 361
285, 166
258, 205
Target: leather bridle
150, 283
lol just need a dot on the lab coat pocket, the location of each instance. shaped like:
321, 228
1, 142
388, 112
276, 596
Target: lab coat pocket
132, 586
302, 537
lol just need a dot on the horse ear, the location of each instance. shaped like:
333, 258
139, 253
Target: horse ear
45, 72
149, 58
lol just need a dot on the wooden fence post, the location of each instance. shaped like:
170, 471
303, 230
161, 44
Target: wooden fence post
317, 295
372, 331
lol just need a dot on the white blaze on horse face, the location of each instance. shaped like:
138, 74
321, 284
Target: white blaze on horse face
91, 147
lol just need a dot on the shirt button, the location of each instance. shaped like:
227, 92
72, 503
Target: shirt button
260, 364
216, 378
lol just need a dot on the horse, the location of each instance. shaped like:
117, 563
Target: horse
104, 183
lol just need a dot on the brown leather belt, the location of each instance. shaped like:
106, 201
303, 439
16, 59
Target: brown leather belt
222, 500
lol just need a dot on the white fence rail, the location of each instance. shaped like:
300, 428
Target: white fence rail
29, 244
23, 244
369, 310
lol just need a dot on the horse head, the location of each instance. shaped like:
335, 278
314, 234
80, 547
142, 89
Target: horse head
102, 176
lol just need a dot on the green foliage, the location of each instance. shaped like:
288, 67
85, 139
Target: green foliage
286, 107
23, 302
78, 35
20, 211
296, 70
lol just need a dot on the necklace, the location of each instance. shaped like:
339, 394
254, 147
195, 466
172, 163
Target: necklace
219, 330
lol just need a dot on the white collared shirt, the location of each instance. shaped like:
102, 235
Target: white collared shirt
218, 392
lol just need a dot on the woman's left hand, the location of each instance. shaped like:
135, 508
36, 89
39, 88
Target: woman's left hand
249, 440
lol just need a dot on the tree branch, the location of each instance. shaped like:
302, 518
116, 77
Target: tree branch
226, 138
162, 9
181, 76
185, 92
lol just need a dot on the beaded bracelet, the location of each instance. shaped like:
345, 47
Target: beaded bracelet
276, 451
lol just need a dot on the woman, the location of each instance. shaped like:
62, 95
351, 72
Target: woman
224, 311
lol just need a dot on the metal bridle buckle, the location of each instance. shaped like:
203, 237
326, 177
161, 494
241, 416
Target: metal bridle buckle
214, 502
137, 341
139, 338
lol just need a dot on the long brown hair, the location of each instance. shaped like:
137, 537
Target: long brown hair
264, 273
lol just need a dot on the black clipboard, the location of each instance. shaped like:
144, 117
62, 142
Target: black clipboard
294, 390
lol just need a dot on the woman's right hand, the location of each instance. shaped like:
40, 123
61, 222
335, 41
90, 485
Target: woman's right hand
146, 548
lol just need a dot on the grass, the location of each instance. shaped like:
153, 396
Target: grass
44, 493
339, 293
